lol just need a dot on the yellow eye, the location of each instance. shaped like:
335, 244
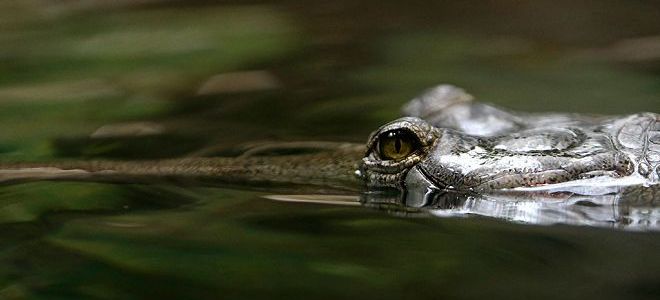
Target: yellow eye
397, 144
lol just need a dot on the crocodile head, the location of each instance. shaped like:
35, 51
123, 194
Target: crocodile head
449, 142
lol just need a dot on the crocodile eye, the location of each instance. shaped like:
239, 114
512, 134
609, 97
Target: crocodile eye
397, 144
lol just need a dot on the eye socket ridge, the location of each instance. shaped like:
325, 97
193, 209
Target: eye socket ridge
397, 144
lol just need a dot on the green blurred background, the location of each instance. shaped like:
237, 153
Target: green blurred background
142, 79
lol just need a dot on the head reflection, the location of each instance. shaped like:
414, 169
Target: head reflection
629, 208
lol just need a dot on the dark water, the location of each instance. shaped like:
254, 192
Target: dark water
161, 79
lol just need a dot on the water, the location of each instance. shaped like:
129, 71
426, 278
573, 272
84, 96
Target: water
88, 80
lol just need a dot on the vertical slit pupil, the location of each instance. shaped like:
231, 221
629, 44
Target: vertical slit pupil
396, 144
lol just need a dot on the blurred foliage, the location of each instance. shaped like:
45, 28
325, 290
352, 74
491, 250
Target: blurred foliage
81, 71
515, 73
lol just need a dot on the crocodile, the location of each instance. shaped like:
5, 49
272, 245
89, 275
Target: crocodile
445, 141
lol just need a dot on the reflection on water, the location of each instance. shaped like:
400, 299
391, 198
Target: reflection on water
632, 208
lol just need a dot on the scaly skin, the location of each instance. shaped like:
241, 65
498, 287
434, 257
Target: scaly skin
475, 147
